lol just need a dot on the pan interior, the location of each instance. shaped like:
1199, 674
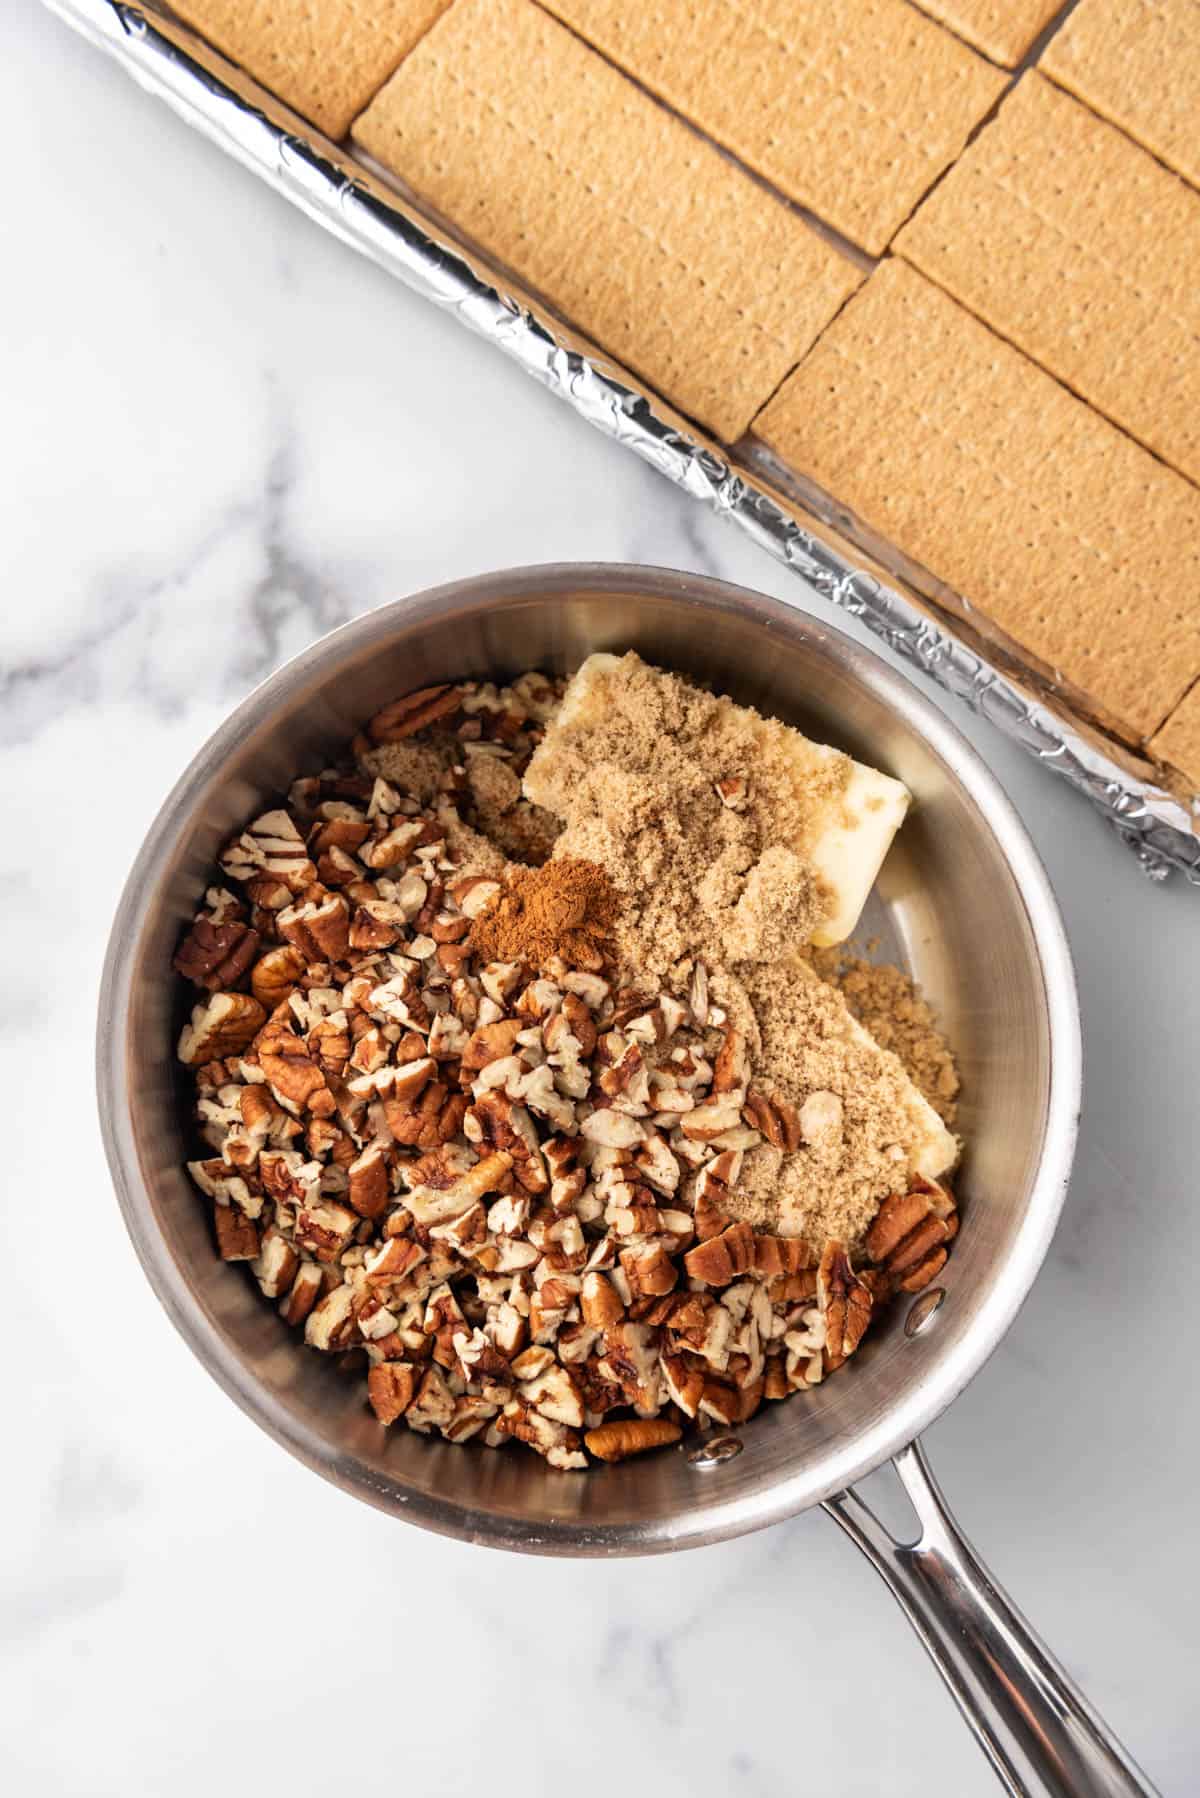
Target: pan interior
949, 906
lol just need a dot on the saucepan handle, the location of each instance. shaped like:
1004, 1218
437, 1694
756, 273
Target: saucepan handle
1042, 1736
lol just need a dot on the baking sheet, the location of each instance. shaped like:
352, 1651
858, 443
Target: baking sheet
334, 187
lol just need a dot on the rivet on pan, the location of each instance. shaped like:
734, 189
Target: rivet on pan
712, 1453
922, 1309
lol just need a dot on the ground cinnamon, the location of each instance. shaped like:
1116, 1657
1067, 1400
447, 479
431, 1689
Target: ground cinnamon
565, 908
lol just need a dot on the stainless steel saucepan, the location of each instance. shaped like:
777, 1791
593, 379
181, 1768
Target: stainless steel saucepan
962, 900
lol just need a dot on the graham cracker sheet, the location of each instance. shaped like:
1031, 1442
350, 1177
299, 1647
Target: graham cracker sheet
1051, 524
646, 238
852, 108
1178, 742
1137, 63
1003, 29
325, 58
1090, 260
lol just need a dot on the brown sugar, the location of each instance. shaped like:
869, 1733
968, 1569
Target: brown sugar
698, 873
803, 1041
887, 1003
563, 909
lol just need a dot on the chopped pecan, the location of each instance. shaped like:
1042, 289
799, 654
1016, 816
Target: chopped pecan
416, 711
731, 1070
433, 1406
330, 1324
730, 1404
909, 1235
845, 1302
685, 1382
434, 1118
491, 1042
270, 848
392, 846
368, 1176
328, 925
776, 1255
275, 975
325, 1228
394, 1261
627, 1436
288, 1067
599, 1300
473, 895
306, 1288
224, 1025
713, 1118
650, 1270
391, 1386
773, 1118
709, 1219
329, 1045
612, 1129
237, 1236
509, 1129
216, 955
733, 792
722, 1259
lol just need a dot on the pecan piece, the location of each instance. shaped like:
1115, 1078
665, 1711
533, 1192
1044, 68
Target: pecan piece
627, 1436
271, 847
237, 1237
650, 1271
721, 1259
216, 955
224, 1026
909, 1234
491, 1042
774, 1118
288, 1067
781, 1255
330, 1324
329, 927
277, 1264
845, 1301
391, 1387
275, 975
731, 1070
599, 1301
404, 717
306, 1289
368, 1177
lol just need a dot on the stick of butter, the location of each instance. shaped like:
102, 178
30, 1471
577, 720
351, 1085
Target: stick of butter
850, 831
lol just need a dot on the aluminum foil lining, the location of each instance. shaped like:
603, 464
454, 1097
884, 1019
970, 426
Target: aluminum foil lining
331, 188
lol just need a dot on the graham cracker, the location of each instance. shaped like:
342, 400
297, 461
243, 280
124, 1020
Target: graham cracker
1091, 260
1178, 742
325, 58
1002, 29
643, 236
1137, 63
852, 108
1060, 530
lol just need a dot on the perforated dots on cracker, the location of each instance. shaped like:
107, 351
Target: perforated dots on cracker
853, 108
1080, 546
325, 58
646, 238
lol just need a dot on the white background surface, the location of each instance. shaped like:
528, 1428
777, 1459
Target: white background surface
223, 433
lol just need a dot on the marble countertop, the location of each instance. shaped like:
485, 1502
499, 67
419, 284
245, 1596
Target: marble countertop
224, 434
